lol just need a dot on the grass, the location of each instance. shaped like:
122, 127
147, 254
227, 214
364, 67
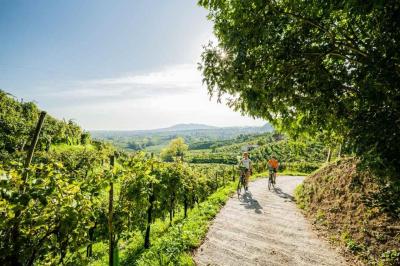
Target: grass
285, 172
293, 173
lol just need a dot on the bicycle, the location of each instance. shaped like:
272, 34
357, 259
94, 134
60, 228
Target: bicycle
271, 179
242, 181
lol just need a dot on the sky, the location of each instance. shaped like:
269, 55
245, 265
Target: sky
115, 65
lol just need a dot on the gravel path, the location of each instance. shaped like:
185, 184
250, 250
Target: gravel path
264, 228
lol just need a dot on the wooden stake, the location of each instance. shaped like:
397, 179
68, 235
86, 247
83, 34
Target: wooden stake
110, 217
328, 159
32, 147
340, 151
35, 138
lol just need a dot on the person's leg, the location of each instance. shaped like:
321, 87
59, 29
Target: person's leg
247, 177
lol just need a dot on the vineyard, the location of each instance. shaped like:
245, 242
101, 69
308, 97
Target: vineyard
312, 84
68, 199
80, 202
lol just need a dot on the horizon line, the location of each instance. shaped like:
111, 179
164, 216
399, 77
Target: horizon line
148, 129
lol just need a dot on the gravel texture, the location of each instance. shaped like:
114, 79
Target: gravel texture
264, 227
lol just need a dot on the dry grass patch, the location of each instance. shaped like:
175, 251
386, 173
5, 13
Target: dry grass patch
350, 207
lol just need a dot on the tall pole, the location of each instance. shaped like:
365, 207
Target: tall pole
340, 150
35, 138
328, 159
110, 217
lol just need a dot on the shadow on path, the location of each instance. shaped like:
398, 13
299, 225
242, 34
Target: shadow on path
250, 203
283, 195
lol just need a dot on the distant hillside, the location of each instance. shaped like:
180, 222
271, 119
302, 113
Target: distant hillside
180, 127
184, 130
155, 139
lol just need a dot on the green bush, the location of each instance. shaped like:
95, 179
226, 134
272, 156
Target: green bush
302, 167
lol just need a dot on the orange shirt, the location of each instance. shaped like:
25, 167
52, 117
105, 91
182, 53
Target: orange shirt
273, 163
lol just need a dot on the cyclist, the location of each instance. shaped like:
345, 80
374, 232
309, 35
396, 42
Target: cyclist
273, 165
246, 165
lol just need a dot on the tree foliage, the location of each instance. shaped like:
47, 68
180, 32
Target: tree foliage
324, 67
176, 148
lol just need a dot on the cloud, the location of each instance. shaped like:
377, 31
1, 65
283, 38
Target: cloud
185, 75
171, 80
160, 98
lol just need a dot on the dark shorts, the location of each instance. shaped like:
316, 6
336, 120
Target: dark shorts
245, 171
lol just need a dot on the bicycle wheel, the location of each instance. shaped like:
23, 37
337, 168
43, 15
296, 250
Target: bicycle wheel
269, 182
239, 186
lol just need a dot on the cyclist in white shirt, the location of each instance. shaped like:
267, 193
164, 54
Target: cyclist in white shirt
246, 165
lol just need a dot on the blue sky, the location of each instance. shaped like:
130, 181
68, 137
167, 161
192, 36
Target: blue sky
110, 64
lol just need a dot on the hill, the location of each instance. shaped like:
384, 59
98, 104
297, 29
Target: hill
184, 129
355, 210
190, 126
155, 139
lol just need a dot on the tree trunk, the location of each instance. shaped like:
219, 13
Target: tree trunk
89, 249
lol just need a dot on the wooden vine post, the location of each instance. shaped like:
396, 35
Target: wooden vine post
340, 150
150, 209
34, 142
216, 180
328, 159
110, 216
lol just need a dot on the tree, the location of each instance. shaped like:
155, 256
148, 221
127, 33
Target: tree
330, 68
176, 148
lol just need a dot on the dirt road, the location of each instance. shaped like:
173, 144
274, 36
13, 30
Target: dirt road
265, 228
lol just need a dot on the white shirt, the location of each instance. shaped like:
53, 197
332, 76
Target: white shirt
246, 163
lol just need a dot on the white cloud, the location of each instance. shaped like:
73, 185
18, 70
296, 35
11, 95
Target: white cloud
161, 98
181, 76
172, 80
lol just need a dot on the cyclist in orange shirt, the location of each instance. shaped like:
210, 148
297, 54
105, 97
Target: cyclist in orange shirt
273, 165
